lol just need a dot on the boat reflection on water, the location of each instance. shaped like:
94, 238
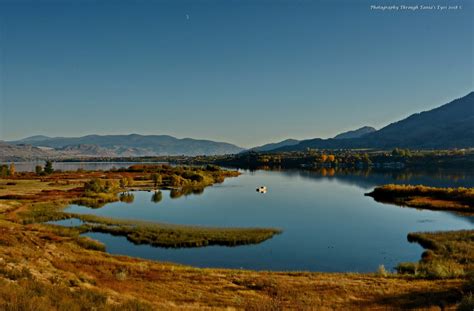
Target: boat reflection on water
262, 189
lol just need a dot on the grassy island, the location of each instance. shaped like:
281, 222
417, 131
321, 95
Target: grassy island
446, 199
165, 235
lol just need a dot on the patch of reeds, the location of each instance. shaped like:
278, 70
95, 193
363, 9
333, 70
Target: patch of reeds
449, 255
456, 199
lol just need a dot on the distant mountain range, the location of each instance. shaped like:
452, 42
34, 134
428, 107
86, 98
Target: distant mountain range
445, 127
132, 145
9, 152
292, 142
448, 126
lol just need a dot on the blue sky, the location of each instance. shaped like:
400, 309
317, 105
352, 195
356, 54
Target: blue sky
245, 72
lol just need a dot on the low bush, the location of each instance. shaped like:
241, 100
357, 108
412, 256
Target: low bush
407, 268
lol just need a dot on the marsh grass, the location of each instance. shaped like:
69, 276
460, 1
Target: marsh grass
14, 273
142, 232
32, 186
174, 236
88, 243
454, 199
29, 294
449, 255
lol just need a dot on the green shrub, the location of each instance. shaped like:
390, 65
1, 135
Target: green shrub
157, 197
127, 197
407, 268
94, 186
440, 269
381, 271
212, 168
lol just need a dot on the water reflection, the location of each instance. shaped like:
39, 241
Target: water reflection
179, 192
157, 197
366, 179
127, 197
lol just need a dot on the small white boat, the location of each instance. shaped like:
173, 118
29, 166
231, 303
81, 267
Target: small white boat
262, 189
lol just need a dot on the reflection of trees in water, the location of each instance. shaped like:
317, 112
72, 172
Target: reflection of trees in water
176, 193
369, 178
157, 196
127, 197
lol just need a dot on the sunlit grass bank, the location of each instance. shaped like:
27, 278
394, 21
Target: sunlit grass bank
448, 255
447, 199
42, 268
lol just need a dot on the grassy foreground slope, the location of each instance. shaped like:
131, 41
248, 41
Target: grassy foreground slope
41, 270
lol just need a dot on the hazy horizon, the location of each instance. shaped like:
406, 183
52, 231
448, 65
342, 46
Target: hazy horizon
246, 73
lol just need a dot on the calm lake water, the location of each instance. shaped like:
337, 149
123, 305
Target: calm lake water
328, 224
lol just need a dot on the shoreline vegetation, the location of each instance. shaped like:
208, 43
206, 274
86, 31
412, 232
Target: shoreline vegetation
459, 200
448, 254
166, 235
393, 159
51, 267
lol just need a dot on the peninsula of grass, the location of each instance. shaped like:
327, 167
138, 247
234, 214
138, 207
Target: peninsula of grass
447, 199
448, 254
167, 235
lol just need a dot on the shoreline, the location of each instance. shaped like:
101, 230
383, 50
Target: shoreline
460, 200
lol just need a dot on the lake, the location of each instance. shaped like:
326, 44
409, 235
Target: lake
328, 224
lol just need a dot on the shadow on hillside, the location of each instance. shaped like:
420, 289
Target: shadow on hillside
423, 299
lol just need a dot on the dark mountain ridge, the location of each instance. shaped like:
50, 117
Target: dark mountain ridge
448, 126
291, 142
356, 133
271, 146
